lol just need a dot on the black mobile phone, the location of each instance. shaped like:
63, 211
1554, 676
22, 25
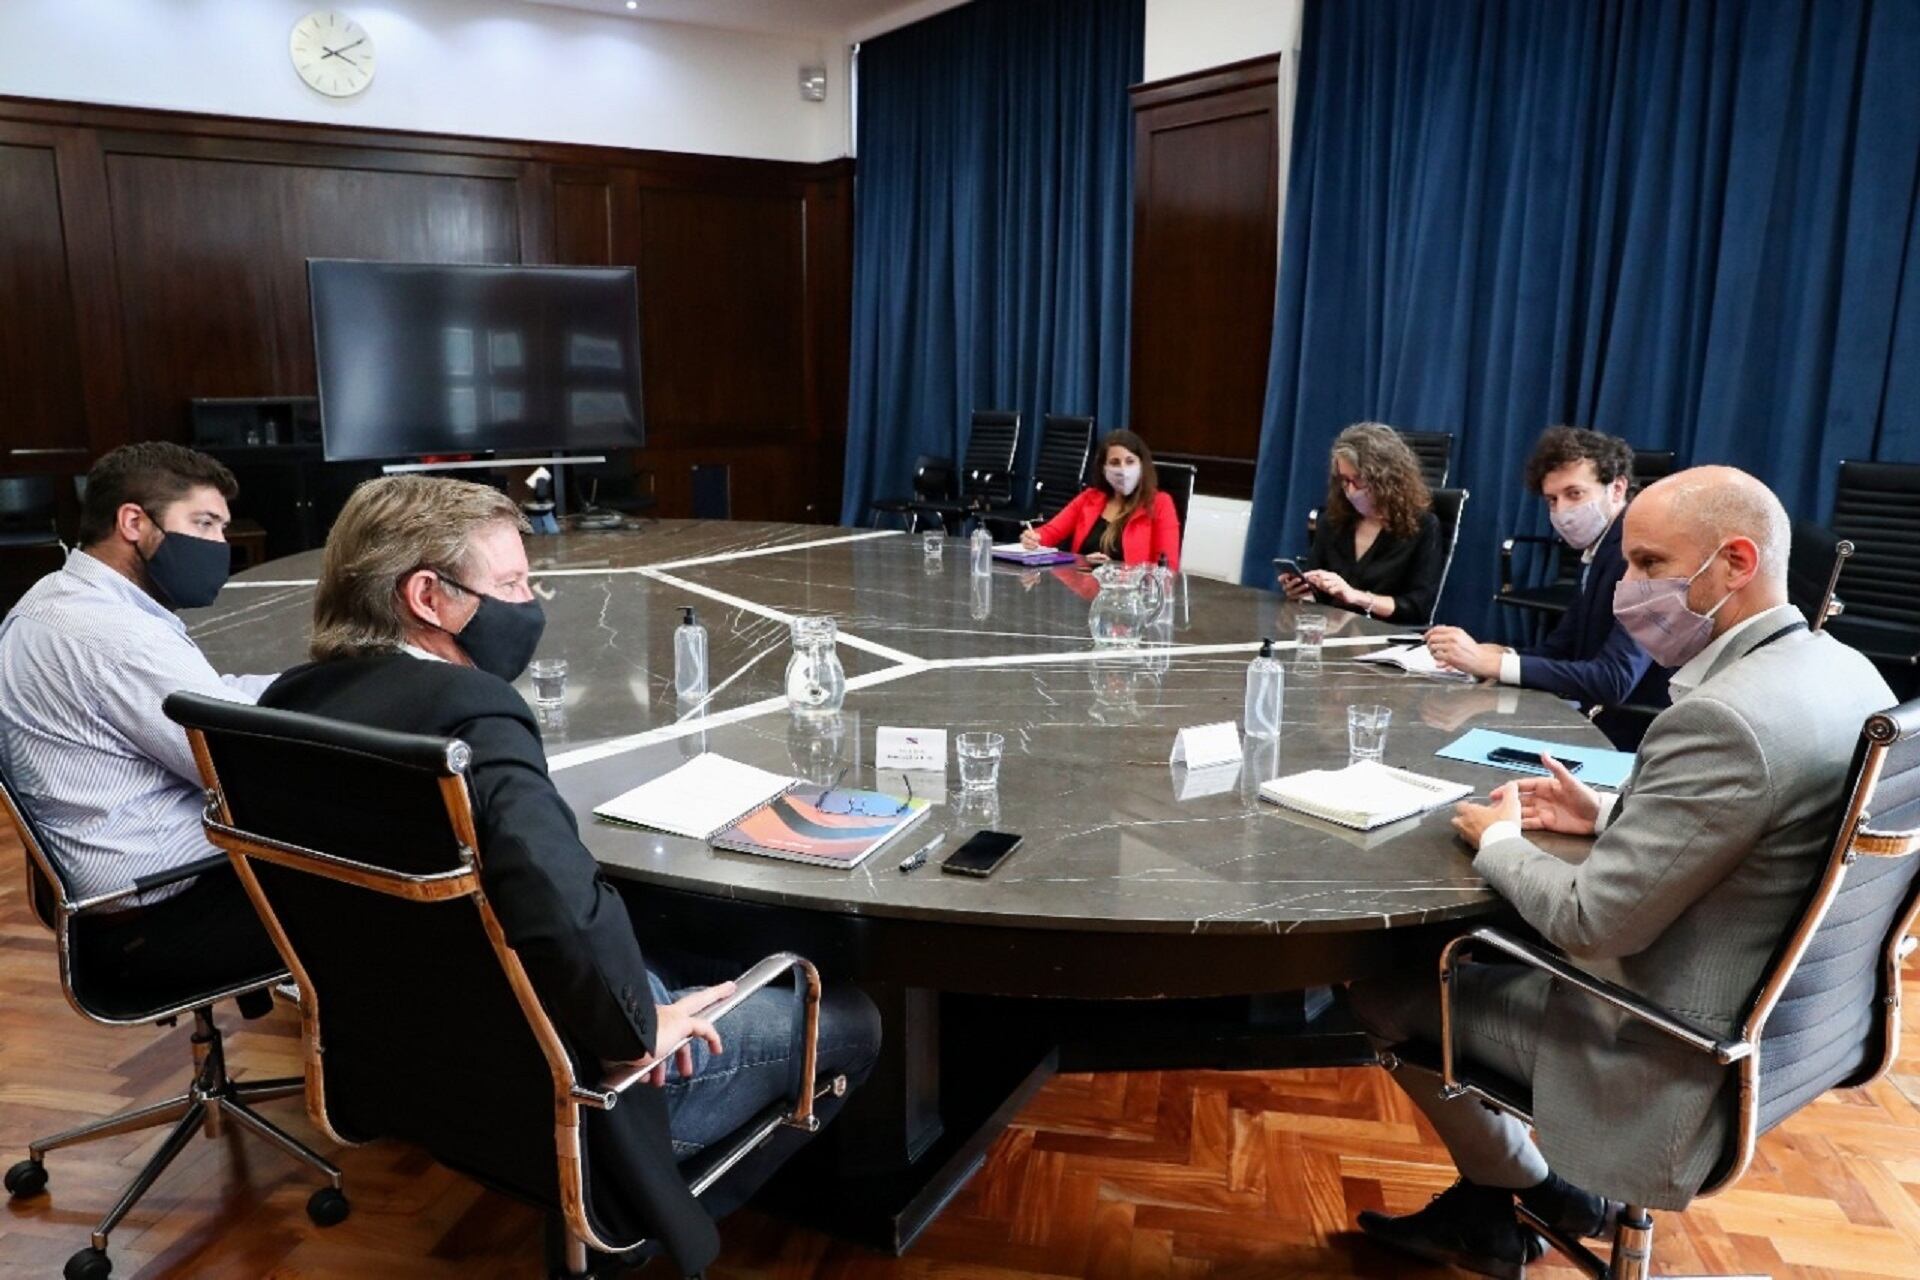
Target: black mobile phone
983, 851
1283, 565
1528, 759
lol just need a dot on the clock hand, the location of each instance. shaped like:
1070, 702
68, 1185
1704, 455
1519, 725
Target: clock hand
341, 52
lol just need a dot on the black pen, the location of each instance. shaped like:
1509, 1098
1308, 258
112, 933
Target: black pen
918, 858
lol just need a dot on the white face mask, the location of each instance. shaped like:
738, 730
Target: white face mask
1582, 525
1124, 479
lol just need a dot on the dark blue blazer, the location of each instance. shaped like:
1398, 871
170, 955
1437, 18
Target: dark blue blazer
1589, 657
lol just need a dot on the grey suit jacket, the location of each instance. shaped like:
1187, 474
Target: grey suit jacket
1722, 828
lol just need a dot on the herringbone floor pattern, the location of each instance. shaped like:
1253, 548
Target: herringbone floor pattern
1176, 1175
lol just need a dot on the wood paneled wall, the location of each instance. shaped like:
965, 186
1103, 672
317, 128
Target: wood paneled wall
150, 257
1205, 245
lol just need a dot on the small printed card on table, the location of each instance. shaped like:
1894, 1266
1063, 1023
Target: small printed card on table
1202, 746
910, 748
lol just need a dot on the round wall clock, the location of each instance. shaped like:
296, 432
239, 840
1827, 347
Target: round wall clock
332, 53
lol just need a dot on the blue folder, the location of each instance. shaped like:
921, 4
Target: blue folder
1599, 767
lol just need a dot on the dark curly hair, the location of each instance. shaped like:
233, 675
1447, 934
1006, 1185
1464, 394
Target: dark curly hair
1559, 447
1388, 470
153, 475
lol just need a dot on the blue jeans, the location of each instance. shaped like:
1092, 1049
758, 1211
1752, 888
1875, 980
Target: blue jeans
760, 1059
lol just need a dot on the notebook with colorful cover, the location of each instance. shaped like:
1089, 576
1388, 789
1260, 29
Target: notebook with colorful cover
1039, 555
827, 826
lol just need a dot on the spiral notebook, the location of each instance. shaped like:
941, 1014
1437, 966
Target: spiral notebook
826, 826
701, 798
1364, 795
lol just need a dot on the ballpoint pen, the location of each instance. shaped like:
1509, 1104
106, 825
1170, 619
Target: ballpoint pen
918, 858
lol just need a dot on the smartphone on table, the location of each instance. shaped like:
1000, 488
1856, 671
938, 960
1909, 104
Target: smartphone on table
1528, 759
983, 851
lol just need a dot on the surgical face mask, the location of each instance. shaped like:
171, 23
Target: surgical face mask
501, 635
1656, 614
1582, 525
1362, 502
1124, 479
188, 572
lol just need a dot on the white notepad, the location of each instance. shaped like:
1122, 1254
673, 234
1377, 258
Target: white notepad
1416, 658
701, 798
1364, 795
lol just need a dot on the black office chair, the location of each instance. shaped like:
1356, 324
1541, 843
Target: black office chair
932, 484
1434, 449
1877, 508
28, 507
1176, 481
1066, 441
712, 491
211, 1095
1448, 507
987, 478
1825, 1015
610, 488
1541, 584
1813, 572
420, 1022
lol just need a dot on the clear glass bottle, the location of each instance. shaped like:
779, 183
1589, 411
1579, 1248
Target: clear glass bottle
816, 682
982, 548
689, 657
1266, 688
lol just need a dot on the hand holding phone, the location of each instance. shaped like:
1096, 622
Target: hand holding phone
983, 851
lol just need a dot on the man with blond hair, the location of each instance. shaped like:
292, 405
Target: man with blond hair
1700, 867
423, 615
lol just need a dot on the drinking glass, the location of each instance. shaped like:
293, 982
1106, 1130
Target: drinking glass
932, 543
1367, 731
1310, 632
980, 760
549, 680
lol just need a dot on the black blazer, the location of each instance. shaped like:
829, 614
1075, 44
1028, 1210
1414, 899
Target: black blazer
1408, 569
567, 924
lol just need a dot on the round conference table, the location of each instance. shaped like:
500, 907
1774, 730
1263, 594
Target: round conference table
1137, 881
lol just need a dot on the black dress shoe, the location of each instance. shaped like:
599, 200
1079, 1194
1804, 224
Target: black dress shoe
1570, 1210
1466, 1226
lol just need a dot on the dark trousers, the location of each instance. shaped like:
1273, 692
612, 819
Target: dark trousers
205, 938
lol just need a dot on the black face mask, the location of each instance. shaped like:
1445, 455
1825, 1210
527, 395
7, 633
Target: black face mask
188, 572
501, 635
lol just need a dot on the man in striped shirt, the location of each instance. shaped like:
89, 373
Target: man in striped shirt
86, 659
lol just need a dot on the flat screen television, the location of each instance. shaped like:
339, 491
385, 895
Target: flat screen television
418, 360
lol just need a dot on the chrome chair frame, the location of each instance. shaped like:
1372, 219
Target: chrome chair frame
570, 1094
1632, 1252
211, 1096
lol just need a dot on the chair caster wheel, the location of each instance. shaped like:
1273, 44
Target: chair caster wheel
88, 1264
328, 1207
28, 1178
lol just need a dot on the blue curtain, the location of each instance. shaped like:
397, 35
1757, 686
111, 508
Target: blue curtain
1691, 223
993, 225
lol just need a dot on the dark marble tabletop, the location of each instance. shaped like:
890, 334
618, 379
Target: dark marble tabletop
1115, 838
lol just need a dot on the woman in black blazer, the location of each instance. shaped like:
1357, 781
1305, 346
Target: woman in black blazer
1377, 547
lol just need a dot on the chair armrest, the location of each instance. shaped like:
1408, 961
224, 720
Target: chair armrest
1613, 994
159, 879
1506, 555
607, 1093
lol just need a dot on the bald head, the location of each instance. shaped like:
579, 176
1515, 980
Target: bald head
1717, 517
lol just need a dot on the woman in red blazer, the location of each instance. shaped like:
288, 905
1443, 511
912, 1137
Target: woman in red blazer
1121, 516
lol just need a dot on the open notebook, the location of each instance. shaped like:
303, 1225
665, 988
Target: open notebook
1364, 795
701, 798
1039, 555
1416, 658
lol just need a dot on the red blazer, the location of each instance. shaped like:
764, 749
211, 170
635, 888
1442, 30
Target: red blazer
1146, 537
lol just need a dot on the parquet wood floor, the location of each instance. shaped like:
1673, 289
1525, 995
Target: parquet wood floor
1194, 1174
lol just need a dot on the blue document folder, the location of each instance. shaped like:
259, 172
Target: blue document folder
1599, 767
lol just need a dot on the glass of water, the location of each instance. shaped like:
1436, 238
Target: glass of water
549, 680
979, 760
1310, 632
932, 543
1367, 731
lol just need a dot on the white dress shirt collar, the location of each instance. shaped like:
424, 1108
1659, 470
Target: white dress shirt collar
98, 575
415, 651
1694, 672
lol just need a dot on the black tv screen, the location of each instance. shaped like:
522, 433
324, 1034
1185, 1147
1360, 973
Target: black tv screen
420, 359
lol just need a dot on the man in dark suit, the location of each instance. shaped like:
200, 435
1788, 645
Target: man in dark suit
1587, 658
422, 616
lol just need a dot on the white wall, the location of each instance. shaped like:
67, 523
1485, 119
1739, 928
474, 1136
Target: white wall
1184, 36
498, 68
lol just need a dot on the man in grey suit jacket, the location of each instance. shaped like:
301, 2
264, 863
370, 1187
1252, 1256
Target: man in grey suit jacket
1697, 874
